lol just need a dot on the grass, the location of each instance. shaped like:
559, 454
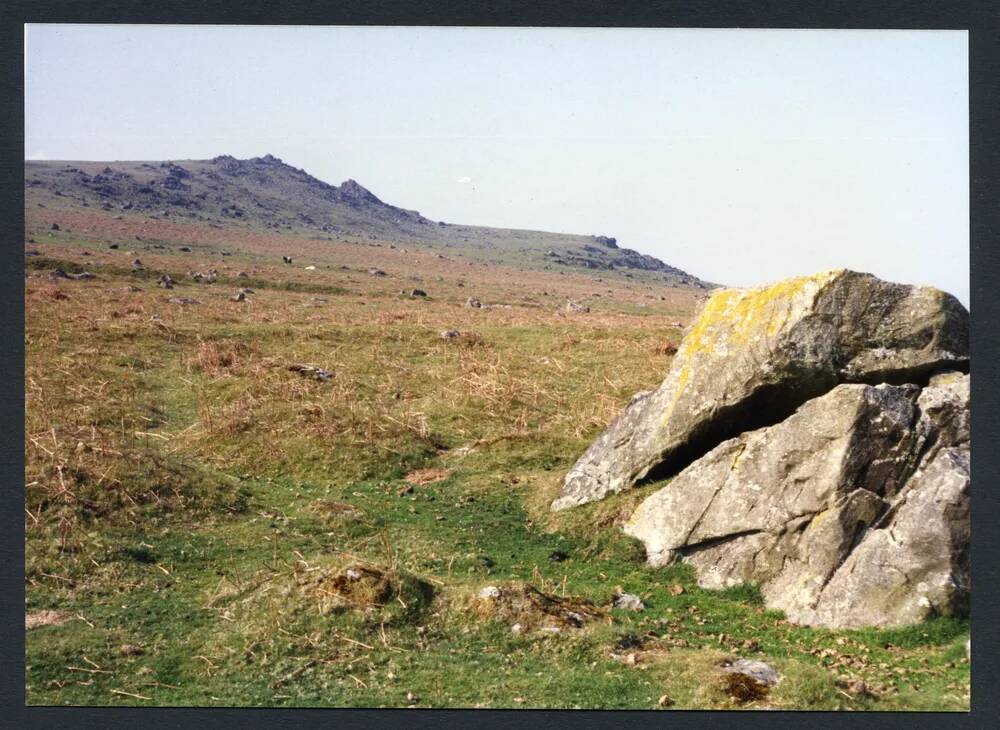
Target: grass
193, 505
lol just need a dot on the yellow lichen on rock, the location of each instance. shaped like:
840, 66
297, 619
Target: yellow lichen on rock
732, 317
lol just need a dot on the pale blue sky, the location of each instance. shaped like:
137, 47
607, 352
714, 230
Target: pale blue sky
741, 156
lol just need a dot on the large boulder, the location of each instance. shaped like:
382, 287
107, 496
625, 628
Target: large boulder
851, 512
754, 355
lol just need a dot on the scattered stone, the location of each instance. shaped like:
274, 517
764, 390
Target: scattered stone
628, 601
376, 272
754, 355
287, 259
185, 249
473, 303
664, 701
312, 371
239, 296
517, 629
450, 334
166, 282
411, 697
489, 592
572, 306
748, 680
418, 293
310, 268
208, 277
352, 574
137, 265
243, 275
55, 226
60, 274
758, 670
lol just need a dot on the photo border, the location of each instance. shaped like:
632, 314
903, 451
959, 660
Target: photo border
982, 20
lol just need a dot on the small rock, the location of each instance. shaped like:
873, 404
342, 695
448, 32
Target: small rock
664, 701
287, 259
490, 592
166, 282
137, 265
629, 601
376, 272
352, 574
760, 672
131, 650
517, 629
310, 268
55, 226
473, 303
411, 697
551, 630
238, 297
113, 246
311, 370
450, 334
676, 589
418, 293
243, 275
185, 249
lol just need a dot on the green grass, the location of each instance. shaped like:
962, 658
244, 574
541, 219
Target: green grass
199, 518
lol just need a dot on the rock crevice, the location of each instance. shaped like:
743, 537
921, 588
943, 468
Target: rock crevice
818, 430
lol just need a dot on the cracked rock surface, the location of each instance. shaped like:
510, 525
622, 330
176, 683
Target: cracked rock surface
755, 355
854, 511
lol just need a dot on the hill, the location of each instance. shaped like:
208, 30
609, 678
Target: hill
264, 193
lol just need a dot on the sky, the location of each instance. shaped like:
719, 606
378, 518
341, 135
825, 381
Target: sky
740, 156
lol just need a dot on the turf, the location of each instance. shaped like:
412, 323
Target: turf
190, 501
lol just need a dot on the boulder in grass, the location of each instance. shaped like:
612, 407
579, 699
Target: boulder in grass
755, 355
852, 512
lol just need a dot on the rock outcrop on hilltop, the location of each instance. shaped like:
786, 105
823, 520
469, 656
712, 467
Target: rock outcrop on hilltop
819, 429
754, 355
